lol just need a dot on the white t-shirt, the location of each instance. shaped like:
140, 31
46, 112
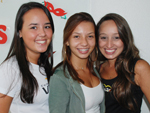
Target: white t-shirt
93, 97
10, 84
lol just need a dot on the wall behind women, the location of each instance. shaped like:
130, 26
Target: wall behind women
135, 12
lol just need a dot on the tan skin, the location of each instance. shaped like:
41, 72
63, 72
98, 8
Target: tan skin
36, 28
5, 103
89, 79
82, 43
107, 70
142, 78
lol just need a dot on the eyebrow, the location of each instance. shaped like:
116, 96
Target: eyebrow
80, 33
101, 33
91, 33
105, 34
75, 33
47, 23
37, 23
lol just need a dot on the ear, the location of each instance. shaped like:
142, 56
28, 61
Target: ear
20, 34
67, 43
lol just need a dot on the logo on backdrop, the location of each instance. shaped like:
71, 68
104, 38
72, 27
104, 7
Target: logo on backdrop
3, 36
57, 11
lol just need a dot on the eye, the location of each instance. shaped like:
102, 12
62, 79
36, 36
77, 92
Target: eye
91, 36
76, 36
102, 37
116, 37
33, 27
47, 27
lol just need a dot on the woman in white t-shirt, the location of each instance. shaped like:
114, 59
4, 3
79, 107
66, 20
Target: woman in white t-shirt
25, 73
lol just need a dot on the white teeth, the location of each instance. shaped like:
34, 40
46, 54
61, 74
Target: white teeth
110, 50
41, 42
82, 49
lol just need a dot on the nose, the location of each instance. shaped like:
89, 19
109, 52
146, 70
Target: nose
109, 43
84, 42
42, 32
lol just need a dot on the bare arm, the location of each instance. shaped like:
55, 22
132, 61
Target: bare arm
142, 77
5, 102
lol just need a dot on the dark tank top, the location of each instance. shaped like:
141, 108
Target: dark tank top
112, 105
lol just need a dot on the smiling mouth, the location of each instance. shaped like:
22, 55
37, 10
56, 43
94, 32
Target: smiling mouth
110, 51
41, 42
83, 50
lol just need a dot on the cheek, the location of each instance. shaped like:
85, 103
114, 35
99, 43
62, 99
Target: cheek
101, 43
49, 34
122, 47
29, 35
73, 43
120, 44
28, 38
92, 43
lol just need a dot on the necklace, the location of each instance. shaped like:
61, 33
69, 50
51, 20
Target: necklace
81, 68
78, 68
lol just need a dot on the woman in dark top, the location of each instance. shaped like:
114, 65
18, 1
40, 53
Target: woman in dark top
124, 74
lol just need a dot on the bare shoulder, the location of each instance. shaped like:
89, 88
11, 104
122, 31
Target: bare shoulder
142, 71
142, 77
141, 66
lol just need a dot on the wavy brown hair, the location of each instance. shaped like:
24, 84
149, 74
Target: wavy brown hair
71, 24
29, 83
124, 65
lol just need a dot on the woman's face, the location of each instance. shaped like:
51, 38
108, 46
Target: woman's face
82, 40
110, 44
36, 32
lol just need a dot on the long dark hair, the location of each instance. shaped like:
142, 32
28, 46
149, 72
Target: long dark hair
124, 63
71, 24
29, 82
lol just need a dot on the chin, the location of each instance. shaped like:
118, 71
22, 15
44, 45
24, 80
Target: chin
42, 51
111, 58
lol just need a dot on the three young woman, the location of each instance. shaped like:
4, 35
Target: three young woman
124, 74
75, 86
25, 73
